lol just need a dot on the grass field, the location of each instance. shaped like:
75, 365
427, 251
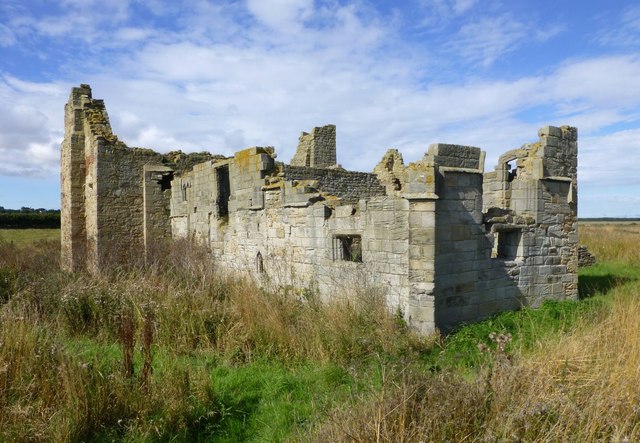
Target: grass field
24, 236
180, 353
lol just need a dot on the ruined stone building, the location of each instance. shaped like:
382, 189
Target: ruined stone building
445, 241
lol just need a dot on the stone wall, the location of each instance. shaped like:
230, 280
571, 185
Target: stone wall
72, 179
533, 194
468, 285
348, 186
157, 204
120, 203
442, 240
283, 231
113, 201
316, 149
585, 257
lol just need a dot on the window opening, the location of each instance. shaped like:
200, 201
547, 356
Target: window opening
259, 263
183, 188
348, 248
165, 181
224, 190
512, 169
508, 244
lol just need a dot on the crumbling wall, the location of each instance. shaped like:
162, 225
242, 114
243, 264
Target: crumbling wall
442, 240
421, 231
316, 149
72, 179
348, 186
531, 201
585, 257
113, 202
102, 207
390, 172
332, 230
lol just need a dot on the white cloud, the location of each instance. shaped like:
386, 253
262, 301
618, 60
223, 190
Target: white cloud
486, 39
281, 15
611, 81
461, 6
30, 128
625, 32
612, 159
7, 38
77, 20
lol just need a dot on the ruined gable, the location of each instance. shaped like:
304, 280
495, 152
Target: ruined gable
114, 199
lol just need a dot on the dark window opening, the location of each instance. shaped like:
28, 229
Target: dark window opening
224, 190
508, 246
347, 247
259, 263
512, 169
183, 188
165, 181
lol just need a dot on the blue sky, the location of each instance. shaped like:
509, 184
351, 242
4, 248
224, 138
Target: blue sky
225, 75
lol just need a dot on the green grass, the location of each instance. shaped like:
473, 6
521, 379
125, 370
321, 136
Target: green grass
470, 346
234, 363
530, 328
25, 236
259, 401
602, 277
265, 400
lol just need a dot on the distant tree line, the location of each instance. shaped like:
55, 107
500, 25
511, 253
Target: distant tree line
29, 218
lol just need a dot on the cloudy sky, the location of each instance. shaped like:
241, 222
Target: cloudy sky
224, 75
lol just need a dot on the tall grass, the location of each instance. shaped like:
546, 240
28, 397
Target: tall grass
612, 242
581, 382
129, 354
176, 351
580, 386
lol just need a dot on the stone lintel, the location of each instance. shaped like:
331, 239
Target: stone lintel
559, 179
455, 169
507, 227
420, 196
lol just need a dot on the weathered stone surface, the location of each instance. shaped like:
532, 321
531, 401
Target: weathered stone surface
444, 241
585, 257
316, 149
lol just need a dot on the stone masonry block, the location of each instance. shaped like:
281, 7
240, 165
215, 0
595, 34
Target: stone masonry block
421, 236
550, 130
